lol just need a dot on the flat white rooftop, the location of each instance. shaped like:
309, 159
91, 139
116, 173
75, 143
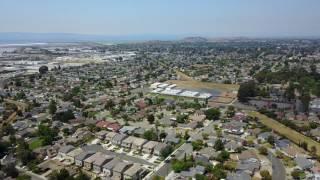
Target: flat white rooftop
204, 95
171, 86
163, 85
158, 90
171, 91
189, 93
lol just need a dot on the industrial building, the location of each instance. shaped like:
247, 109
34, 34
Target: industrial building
171, 90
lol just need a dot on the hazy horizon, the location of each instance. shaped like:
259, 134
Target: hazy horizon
208, 18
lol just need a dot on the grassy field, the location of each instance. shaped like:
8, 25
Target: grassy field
289, 133
205, 85
35, 144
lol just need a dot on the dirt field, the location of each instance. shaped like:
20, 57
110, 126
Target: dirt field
182, 76
205, 85
202, 65
291, 134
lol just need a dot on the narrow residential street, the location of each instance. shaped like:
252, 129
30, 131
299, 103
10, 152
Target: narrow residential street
278, 170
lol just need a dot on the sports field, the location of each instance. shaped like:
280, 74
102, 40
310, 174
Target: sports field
289, 133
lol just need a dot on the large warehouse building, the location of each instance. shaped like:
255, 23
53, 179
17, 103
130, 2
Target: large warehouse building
171, 90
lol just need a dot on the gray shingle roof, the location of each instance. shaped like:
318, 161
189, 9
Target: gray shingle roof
66, 149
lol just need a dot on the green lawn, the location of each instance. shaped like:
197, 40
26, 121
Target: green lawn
35, 144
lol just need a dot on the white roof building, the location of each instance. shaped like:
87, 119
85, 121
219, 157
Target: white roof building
171, 91
163, 85
154, 85
189, 93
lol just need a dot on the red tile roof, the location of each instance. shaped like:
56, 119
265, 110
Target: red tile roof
113, 126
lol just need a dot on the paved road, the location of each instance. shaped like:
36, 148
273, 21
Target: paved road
278, 169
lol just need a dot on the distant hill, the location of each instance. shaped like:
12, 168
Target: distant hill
196, 39
23, 37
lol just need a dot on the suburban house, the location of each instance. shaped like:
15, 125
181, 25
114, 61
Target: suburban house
133, 172
127, 130
138, 144
127, 143
249, 166
232, 146
90, 160
98, 164
239, 116
189, 174
70, 157
81, 157
303, 163
158, 148
149, 146
110, 136
172, 139
108, 167
282, 143
117, 139
234, 127
119, 169
263, 137
64, 150
102, 134
112, 126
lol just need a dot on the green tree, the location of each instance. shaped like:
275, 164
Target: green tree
52, 107
183, 165
150, 135
271, 140
82, 176
246, 90
197, 145
43, 69
109, 104
265, 175
231, 111
305, 100
165, 152
313, 125
46, 134
63, 116
201, 177
218, 172
313, 150
150, 118
304, 145
213, 114
182, 118
186, 135
223, 156
263, 150
24, 177
297, 174
218, 145
24, 154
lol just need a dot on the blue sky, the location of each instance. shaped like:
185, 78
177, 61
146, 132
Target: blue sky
167, 17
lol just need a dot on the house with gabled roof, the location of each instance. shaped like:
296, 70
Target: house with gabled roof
119, 169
